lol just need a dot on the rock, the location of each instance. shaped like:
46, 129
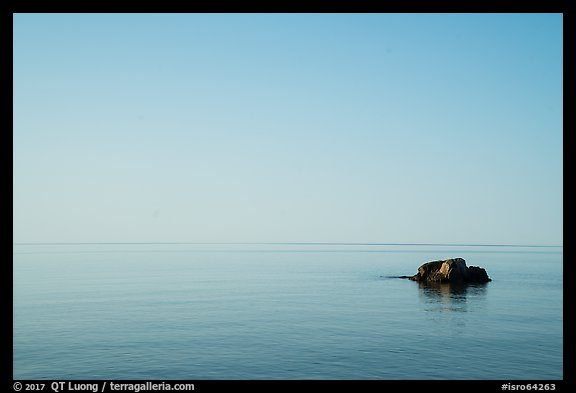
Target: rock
451, 270
477, 274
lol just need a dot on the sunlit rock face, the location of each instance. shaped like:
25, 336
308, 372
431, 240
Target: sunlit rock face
450, 270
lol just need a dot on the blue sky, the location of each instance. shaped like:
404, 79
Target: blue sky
288, 127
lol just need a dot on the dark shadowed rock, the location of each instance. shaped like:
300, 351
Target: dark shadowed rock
477, 274
450, 270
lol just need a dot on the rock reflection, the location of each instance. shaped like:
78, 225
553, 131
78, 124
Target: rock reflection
450, 297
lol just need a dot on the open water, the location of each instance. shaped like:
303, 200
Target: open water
282, 311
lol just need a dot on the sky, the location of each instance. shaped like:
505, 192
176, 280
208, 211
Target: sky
410, 128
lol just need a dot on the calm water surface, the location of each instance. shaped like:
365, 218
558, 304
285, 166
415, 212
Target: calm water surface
282, 312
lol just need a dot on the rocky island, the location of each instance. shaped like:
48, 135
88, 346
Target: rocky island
450, 271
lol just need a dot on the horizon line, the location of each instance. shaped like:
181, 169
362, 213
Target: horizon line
286, 243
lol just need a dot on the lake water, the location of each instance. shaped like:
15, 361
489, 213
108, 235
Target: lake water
185, 311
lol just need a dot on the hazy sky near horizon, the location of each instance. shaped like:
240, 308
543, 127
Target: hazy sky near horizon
288, 127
